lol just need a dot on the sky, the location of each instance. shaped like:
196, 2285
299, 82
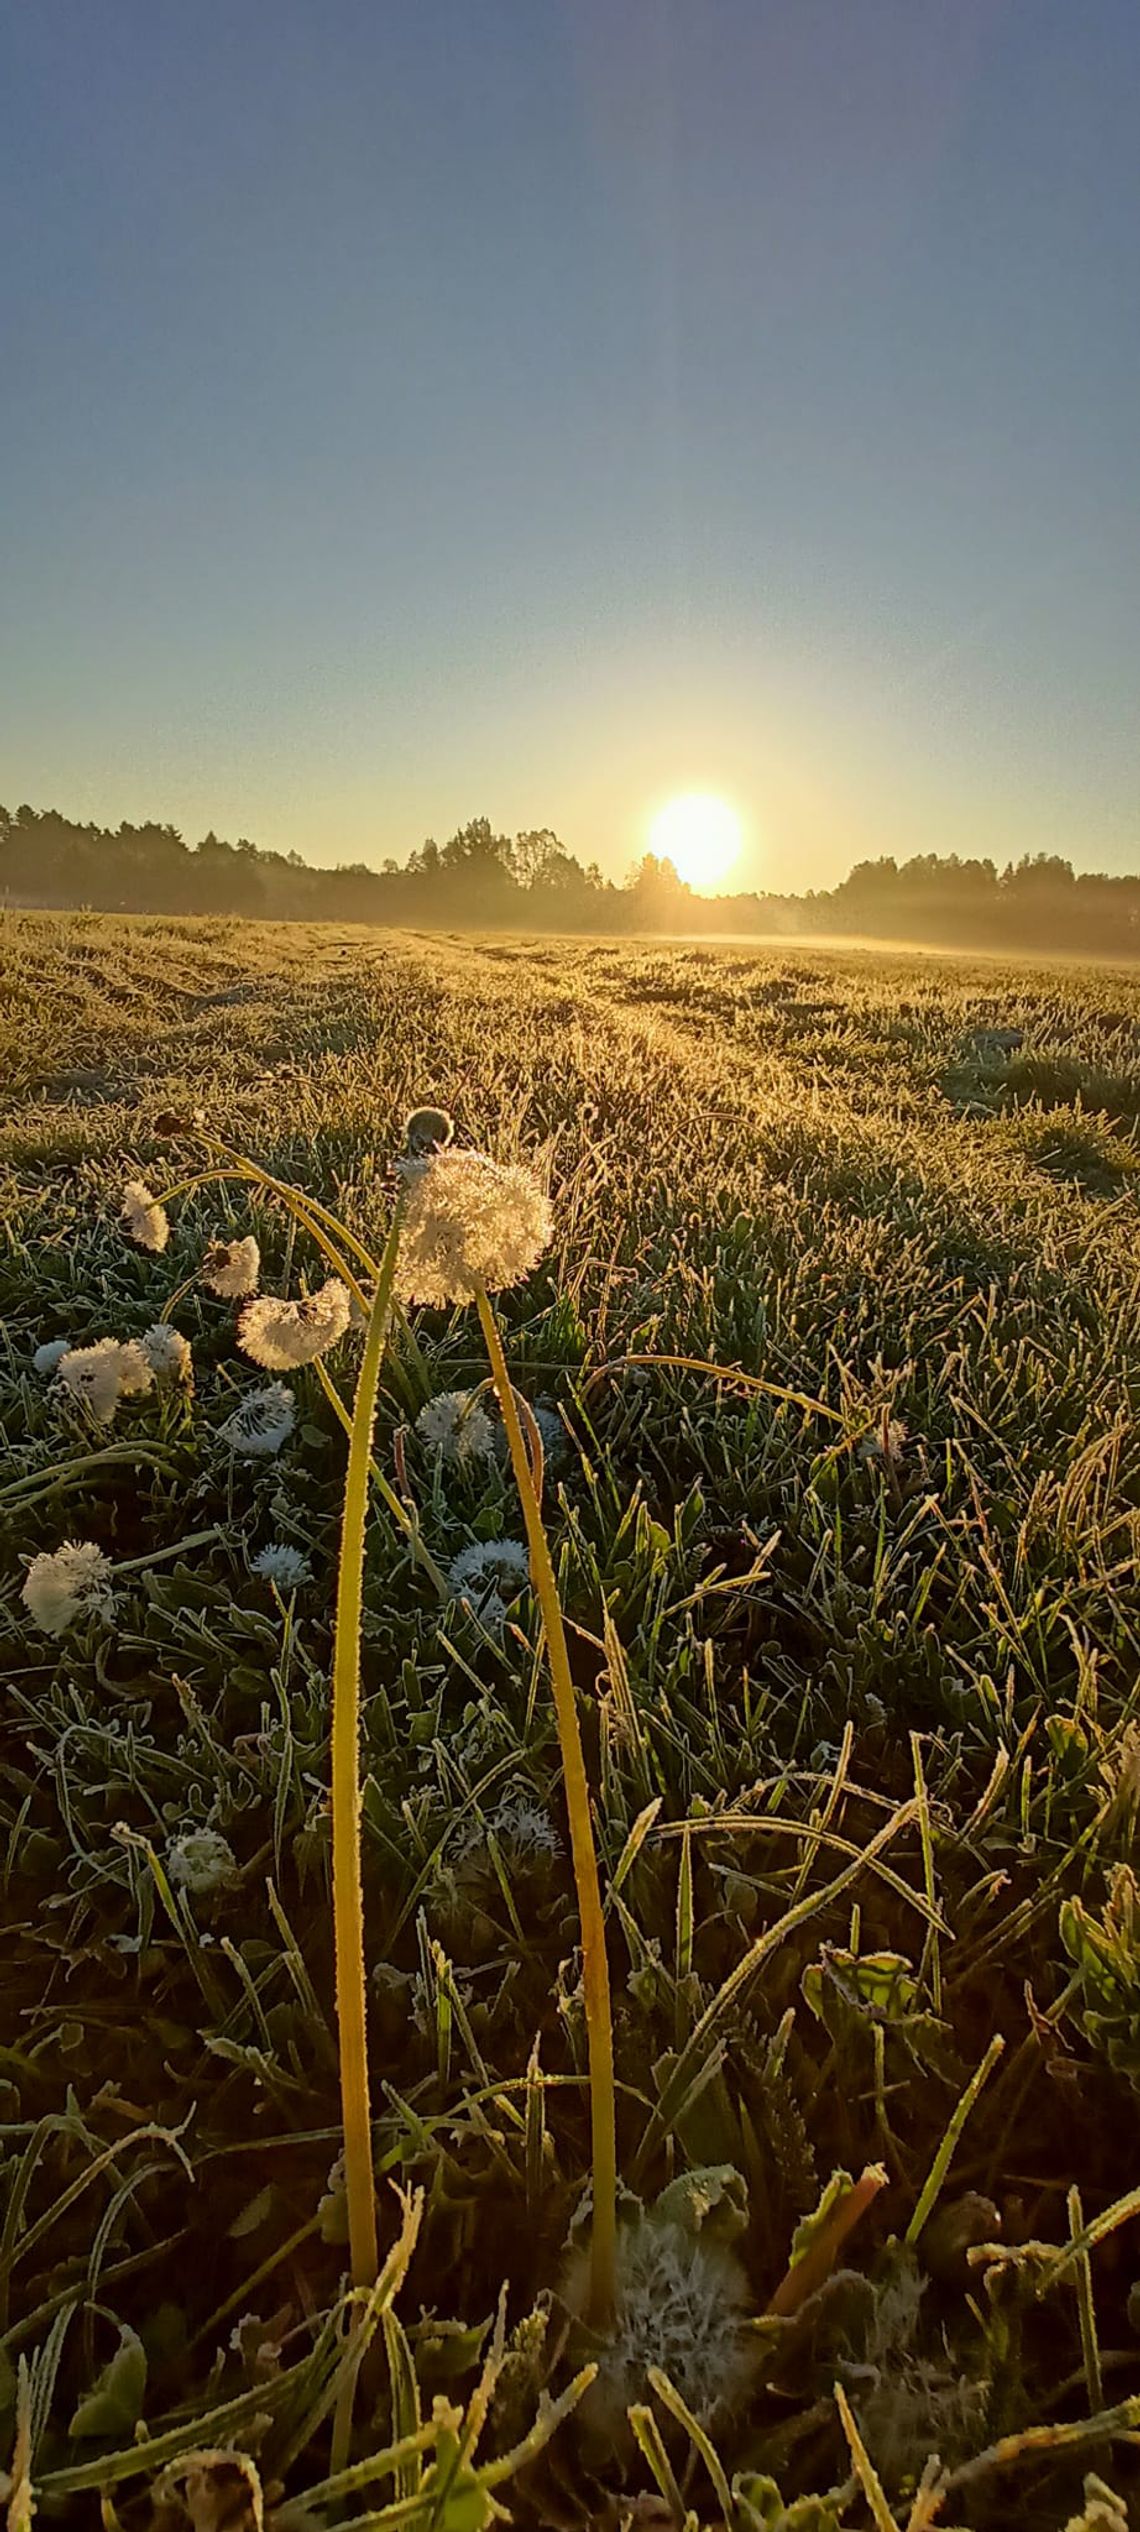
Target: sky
414, 410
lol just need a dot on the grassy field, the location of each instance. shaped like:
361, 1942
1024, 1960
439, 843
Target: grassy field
894, 1610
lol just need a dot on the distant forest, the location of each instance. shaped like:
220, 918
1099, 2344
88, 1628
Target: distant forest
530, 882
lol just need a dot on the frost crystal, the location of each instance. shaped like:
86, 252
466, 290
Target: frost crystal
455, 1425
264, 1420
470, 1224
282, 1334
886, 1445
232, 1268
99, 1375
62, 1587
168, 1353
144, 1217
282, 1565
200, 1861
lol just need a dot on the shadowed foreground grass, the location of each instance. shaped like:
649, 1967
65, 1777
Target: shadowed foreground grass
859, 1686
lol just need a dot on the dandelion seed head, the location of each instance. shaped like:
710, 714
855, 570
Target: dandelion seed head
73, 1582
886, 1445
282, 1334
232, 1268
200, 1861
97, 1376
281, 1564
427, 1130
476, 1573
681, 2304
484, 1561
470, 1224
145, 1220
168, 1353
47, 1358
263, 1422
455, 1425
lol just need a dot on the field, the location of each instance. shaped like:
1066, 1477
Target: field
855, 1642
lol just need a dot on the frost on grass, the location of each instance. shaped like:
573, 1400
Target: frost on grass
281, 1564
232, 1268
262, 1424
145, 1220
201, 1861
455, 1425
280, 1335
97, 1376
168, 1353
470, 1224
73, 1582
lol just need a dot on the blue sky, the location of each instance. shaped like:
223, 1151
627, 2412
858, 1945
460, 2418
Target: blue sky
539, 407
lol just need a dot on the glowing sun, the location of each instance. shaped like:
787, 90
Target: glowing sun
700, 834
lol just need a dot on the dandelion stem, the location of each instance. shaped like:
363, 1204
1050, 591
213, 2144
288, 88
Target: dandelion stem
595, 1967
348, 1894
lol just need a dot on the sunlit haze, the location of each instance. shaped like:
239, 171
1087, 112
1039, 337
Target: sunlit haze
415, 412
700, 835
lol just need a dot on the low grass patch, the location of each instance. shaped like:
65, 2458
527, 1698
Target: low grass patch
855, 1644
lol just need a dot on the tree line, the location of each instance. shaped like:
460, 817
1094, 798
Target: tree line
530, 881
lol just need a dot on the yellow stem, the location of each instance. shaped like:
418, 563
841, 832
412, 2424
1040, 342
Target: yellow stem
595, 1967
348, 1894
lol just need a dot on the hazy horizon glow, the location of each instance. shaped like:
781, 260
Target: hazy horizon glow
424, 412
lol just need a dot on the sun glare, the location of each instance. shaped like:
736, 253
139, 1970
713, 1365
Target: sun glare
700, 834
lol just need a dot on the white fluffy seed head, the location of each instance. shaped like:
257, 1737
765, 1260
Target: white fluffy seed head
470, 1224
281, 1564
263, 1422
488, 1575
681, 2304
145, 1220
455, 1425
168, 1353
282, 1334
97, 1376
200, 1861
72, 1583
47, 1358
232, 1268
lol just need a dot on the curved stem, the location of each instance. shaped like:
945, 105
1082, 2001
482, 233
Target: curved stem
348, 1894
595, 1967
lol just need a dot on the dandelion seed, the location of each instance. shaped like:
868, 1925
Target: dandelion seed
145, 1220
200, 1861
263, 1422
455, 1425
74, 1582
47, 1358
97, 1376
282, 1334
282, 1565
168, 1353
232, 1268
470, 1224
